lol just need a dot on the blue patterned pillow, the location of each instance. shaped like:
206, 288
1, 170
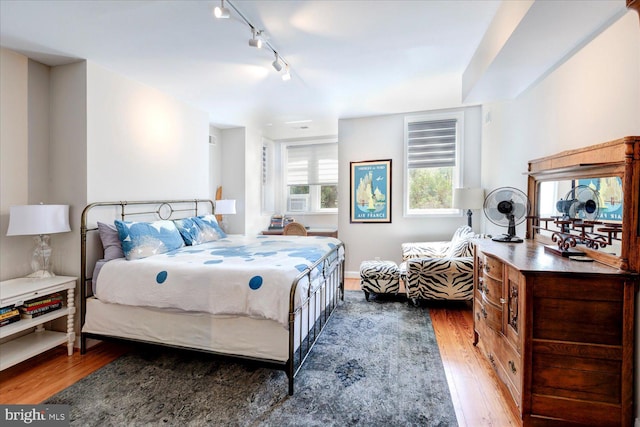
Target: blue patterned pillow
143, 239
209, 228
189, 230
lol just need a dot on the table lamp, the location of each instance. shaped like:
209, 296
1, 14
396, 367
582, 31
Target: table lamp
40, 221
468, 198
225, 207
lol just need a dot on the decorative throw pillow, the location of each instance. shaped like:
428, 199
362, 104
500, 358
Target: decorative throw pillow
462, 233
460, 248
110, 241
143, 239
189, 230
461, 245
209, 228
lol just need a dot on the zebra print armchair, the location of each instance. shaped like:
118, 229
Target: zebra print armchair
439, 270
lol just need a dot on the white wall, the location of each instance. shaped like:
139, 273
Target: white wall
78, 133
593, 97
14, 166
215, 161
149, 145
377, 138
67, 161
38, 130
233, 171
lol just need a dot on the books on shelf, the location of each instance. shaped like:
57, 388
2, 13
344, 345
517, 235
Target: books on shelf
36, 312
6, 309
42, 305
43, 300
8, 316
9, 320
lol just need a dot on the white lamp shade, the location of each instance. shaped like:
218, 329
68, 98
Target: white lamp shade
225, 207
468, 198
28, 220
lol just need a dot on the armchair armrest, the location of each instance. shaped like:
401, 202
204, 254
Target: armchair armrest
440, 278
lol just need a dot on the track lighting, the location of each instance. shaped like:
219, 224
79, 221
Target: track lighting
221, 12
287, 75
255, 40
276, 64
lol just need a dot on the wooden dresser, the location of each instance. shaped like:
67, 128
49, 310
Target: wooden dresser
559, 333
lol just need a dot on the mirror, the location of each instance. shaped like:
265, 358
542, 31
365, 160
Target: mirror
611, 169
587, 211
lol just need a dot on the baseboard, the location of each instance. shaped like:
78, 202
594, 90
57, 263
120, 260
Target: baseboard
356, 275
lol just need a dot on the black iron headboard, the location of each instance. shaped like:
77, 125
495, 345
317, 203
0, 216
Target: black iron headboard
147, 210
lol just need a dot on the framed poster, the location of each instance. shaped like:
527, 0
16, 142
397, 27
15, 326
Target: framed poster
370, 191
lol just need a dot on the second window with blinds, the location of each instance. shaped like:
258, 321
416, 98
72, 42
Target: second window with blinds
311, 177
432, 157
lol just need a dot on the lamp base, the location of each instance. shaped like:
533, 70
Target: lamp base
41, 274
40, 259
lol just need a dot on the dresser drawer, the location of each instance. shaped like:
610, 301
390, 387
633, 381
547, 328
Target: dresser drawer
492, 267
512, 365
491, 289
488, 314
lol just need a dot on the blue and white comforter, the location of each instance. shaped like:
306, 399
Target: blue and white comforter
237, 275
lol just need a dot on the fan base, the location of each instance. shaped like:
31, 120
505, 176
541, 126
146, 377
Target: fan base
505, 238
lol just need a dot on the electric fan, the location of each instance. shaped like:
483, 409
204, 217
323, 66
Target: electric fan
507, 207
581, 202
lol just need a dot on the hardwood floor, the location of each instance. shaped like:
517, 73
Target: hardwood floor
477, 397
475, 390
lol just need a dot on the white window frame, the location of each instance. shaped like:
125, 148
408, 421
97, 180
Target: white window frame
268, 185
458, 115
314, 190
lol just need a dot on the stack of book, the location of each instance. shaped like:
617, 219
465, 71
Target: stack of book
8, 315
40, 306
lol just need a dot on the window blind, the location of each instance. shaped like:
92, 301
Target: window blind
313, 164
431, 144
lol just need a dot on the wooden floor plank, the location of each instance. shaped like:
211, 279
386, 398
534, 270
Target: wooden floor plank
476, 394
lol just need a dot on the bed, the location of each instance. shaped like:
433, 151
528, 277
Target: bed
260, 298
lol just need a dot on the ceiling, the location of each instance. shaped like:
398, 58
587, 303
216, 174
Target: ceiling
347, 58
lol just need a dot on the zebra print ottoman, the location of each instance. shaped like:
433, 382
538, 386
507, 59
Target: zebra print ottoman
379, 277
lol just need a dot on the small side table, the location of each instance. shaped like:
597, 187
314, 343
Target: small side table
16, 292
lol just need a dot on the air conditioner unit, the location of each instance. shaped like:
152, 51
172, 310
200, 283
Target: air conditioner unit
298, 203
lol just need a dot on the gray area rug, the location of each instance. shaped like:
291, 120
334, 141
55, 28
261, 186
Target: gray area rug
376, 363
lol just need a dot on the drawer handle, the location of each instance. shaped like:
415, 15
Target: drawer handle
492, 360
487, 269
503, 301
512, 366
484, 312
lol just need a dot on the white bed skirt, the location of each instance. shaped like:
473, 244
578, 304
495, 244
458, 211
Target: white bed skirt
233, 335
226, 334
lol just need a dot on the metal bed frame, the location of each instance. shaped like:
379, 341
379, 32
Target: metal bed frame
331, 288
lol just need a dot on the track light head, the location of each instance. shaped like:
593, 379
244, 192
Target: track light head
287, 75
221, 12
255, 40
276, 63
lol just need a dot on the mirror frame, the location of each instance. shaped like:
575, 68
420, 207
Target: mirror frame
620, 158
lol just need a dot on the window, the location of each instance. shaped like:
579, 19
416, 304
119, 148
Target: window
312, 177
432, 147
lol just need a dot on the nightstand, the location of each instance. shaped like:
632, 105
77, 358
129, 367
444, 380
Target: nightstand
15, 292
